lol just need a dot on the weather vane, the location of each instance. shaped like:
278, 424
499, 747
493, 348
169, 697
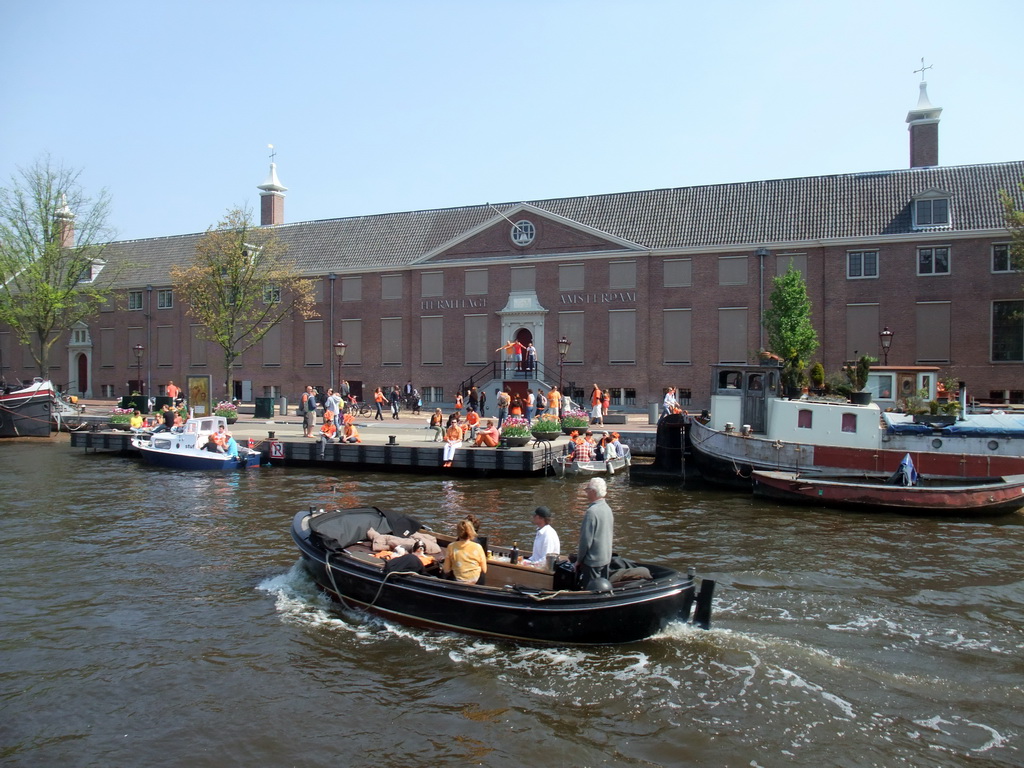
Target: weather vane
273, 154
923, 69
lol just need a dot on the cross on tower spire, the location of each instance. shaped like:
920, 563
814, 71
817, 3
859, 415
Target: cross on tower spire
923, 69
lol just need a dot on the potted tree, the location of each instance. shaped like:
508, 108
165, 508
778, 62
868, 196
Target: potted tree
857, 374
818, 378
790, 333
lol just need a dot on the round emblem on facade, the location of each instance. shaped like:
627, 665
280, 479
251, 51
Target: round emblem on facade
523, 233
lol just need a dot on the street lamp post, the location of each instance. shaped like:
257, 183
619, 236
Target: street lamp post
339, 352
139, 349
563, 350
885, 338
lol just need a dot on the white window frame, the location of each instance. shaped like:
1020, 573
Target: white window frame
1007, 254
928, 219
932, 249
860, 257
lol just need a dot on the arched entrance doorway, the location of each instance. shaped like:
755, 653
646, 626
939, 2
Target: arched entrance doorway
82, 364
524, 337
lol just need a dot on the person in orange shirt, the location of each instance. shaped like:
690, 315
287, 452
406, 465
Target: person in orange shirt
452, 442
488, 437
554, 401
472, 424
328, 432
173, 391
351, 434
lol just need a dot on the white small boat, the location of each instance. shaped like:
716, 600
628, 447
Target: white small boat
565, 467
187, 449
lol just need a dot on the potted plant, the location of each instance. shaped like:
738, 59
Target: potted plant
818, 378
857, 374
575, 420
793, 377
119, 418
515, 431
228, 410
547, 426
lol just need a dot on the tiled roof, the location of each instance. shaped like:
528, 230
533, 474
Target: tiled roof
745, 215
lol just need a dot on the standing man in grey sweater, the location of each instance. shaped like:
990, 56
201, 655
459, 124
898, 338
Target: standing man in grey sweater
594, 553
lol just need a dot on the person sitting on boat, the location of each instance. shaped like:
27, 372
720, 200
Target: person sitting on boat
583, 451
231, 447
136, 421
350, 434
218, 441
464, 559
621, 449
545, 542
407, 562
488, 437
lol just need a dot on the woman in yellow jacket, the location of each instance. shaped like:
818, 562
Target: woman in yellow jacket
464, 559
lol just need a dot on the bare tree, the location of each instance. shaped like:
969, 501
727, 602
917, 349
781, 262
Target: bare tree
240, 285
52, 239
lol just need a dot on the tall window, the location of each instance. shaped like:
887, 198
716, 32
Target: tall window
134, 300
676, 335
313, 337
523, 278
476, 339
732, 335
933, 261
391, 341
570, 325
933, 331
861, 330
622, 336
352, 335
1001, 258
861, 264
1008, 331
432, 340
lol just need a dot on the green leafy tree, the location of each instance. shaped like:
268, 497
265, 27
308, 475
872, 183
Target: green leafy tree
788, 323
240, 284
52, 240
1013, 216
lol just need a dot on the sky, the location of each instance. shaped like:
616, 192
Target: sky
399, 105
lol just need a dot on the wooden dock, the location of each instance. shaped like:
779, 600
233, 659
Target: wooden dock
375, 456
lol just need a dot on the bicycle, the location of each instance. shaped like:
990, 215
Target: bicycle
358, 408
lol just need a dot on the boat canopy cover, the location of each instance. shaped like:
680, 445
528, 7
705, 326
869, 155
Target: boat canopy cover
976, 425
343, 528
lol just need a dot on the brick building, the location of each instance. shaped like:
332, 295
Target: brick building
650, 287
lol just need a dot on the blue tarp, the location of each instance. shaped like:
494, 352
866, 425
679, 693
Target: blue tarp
980, 425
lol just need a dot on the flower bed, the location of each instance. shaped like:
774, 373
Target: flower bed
515, 426
547, 423
227, 409
575, 420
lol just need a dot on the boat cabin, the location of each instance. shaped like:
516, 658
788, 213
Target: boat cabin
748, 400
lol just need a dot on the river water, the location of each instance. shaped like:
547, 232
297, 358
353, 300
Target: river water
158, 618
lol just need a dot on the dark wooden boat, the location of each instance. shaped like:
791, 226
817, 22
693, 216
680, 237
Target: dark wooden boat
519, 603
27, 411
965, 497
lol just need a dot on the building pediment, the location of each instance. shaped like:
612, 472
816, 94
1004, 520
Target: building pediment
524, 231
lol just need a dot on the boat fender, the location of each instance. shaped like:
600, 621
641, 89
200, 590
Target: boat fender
601, 586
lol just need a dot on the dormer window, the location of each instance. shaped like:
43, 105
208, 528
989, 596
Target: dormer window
931, 210
91, 271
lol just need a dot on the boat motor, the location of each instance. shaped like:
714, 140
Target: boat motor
601, 586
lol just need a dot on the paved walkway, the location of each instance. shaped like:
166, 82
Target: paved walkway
407, 429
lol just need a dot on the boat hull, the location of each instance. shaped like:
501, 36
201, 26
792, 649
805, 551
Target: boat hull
1000, 496
628, 614
589, 468
729, 458
194, 459
27, 412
